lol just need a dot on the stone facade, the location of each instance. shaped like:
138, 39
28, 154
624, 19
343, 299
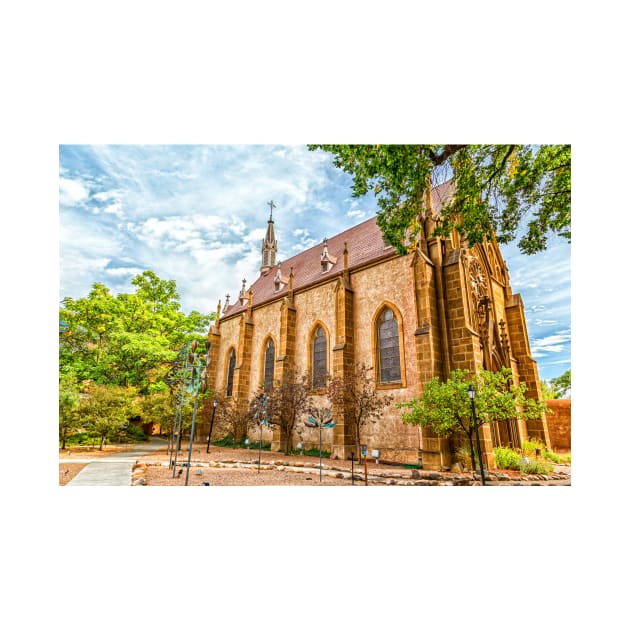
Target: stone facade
452, 307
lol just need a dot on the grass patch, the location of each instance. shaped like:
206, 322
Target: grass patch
229, 442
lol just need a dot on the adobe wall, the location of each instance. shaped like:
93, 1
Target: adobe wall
559, 424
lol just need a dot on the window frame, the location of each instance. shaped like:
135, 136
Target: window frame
230, 368
318, 387
268, 340
376, 347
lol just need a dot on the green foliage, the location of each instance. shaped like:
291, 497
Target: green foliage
507, 458
536, 467
229, 442
496, 186
531, 447
158, 407
561, 385
527, 462
446, 409
82, 438
69, 418
134, 433
129, 339
105, 410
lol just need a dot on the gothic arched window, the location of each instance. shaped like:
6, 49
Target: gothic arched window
230, 373
269, 364
319, 358
388, 347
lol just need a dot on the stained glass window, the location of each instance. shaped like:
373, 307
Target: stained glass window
319, 358
230, 374
269, 364
388, 348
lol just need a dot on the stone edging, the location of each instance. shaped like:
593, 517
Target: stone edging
415, 477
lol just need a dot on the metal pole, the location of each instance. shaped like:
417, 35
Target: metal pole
192, 435
179, 433
483, 478
259, 447
352, 458
214, 408
320, 450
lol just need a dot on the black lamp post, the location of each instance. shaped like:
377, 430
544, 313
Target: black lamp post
471, 395
214, 408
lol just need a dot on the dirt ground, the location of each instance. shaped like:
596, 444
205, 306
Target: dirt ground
239, 467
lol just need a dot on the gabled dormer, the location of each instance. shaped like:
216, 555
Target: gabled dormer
327, 261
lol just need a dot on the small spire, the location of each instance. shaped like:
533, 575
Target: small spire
270, 244
241, 295
227, 300
327, 261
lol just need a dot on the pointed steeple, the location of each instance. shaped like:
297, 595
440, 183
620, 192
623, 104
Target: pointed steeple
269, 244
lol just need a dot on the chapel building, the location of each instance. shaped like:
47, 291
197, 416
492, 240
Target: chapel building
354, 300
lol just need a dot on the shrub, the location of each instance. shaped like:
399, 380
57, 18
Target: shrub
229, 442
530, 447
135, 433
507, 458
536, 467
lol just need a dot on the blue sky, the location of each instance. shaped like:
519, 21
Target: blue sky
196, 214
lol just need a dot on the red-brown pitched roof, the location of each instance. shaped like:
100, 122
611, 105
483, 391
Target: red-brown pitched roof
365, 244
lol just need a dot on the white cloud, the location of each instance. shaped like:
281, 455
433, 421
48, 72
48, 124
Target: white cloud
114, 208
71, 191
552, 343
358, 214
121, 272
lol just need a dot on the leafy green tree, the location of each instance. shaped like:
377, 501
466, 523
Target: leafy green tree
496, 186
158, 407
69, 419
128, 339
445, 408
106, 409
561, 385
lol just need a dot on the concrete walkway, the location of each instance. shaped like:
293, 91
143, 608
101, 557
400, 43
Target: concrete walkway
115, 470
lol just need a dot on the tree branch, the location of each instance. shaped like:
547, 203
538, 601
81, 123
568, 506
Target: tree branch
449, 149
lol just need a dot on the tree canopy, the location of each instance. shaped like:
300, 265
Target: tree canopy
559, 387
495, 188
129, 339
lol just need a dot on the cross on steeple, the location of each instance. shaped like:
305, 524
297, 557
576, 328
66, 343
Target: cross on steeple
271, 205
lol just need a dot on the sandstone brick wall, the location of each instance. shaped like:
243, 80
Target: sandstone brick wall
559, 424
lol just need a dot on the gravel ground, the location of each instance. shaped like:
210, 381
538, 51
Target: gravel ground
239, 467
